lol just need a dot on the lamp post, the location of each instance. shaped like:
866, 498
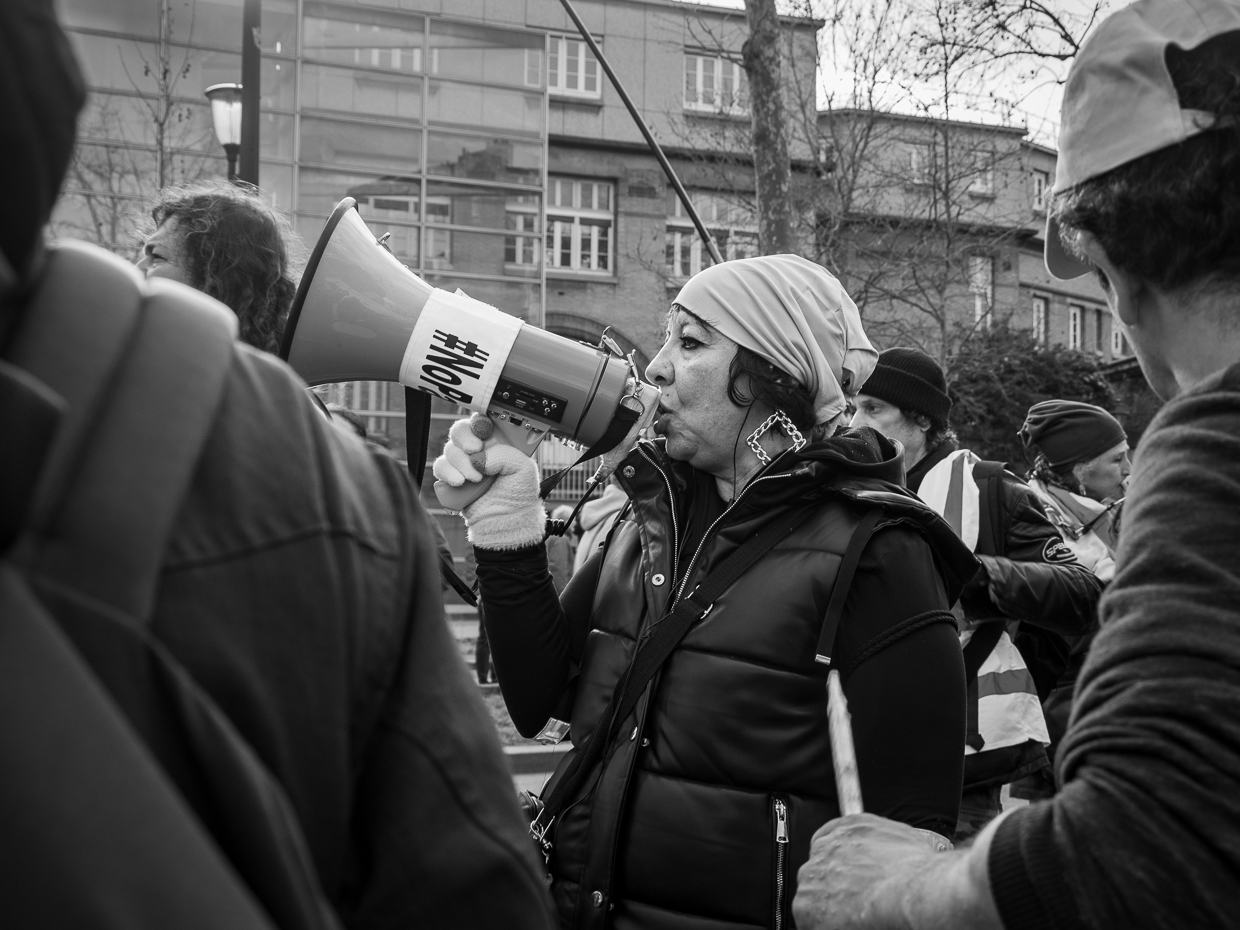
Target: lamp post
226, 114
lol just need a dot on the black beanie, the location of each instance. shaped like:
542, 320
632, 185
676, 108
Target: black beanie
1069, 431
912, 380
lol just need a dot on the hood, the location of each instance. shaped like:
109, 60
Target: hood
862, 452
599, 509
41, 92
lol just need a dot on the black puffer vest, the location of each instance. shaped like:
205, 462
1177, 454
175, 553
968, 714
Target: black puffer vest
707, 799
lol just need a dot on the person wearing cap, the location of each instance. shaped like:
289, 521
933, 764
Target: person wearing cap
714, 785
1080, 473
1028, 604
1143, 830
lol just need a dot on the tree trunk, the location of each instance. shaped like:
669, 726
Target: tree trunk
772, 171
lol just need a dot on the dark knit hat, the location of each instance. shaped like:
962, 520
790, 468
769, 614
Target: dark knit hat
912, 380
1069, 431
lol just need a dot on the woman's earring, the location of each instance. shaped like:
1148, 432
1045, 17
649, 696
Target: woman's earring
798, 441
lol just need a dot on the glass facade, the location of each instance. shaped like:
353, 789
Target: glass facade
436, 127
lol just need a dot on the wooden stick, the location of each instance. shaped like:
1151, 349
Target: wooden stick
839, 724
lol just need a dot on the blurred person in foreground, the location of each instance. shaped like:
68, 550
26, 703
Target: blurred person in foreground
223, 239
1025, 607
1145, 830
294, 604
703, 808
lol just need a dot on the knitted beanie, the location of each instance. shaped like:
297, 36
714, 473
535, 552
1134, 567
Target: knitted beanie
912, 380
1069, 431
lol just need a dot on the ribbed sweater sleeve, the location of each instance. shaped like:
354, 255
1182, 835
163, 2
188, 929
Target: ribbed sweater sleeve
1145, 832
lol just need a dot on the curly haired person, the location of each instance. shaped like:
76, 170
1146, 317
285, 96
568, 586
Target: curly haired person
226, 241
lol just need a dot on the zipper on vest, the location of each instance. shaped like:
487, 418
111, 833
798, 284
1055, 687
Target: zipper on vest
671, 500
680, 591
781, 855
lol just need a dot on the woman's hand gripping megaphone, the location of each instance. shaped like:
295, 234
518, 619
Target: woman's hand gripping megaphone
495, 485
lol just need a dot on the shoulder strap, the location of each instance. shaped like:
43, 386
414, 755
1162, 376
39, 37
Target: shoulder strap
992, 541
980, 645
142, 376
658, 642
843, 581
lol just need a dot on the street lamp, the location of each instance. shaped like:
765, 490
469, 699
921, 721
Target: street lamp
226, 114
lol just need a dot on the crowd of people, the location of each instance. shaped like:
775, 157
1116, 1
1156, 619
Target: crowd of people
228, 697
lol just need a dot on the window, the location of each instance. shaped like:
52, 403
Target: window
983, 172
1099, 341
1075, 313
572, 70
579, 225
733, 225
1039, 320
1119, 345
982, 286
368, 38
920, 163
437, 253
714, 85
1041, 190
523, 248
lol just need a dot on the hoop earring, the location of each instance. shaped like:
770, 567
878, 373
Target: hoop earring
798, 441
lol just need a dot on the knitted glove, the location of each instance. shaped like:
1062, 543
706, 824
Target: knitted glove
510, 514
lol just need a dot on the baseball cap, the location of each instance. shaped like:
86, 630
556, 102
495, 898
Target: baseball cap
1120, 102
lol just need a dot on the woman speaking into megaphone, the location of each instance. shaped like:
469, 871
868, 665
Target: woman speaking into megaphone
687, 659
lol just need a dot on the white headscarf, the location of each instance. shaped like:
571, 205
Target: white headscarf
796, 315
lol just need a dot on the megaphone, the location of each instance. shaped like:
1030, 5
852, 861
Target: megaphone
360, 315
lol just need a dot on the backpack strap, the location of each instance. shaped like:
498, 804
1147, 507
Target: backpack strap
656, 644
980, 645
143, 371
991, 539
142, 377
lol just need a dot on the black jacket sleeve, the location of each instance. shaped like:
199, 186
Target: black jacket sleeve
536, 635
1038, 580
1143, 833
903, 673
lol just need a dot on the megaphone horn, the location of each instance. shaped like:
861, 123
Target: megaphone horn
360, 315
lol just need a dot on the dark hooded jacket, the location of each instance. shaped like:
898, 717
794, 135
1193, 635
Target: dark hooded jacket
680, 826
299, 592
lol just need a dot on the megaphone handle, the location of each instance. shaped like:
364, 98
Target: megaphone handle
516, 436
459, 498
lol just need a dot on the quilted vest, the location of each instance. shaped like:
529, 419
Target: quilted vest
715, 784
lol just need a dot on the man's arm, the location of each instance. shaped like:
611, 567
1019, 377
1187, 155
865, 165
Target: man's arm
867, 872
1039, 581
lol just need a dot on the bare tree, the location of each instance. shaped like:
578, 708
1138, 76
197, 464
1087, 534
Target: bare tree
769, 138
130, 148
914, 191
1029, 30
